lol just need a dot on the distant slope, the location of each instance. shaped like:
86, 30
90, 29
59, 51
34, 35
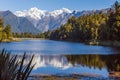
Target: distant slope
44, 20
18, 24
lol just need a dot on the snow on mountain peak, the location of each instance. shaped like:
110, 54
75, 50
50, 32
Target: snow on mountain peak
66, 10
58, 12
34, 8
36, 13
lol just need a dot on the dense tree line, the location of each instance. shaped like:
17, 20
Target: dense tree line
30, 35
91, 27
5, 32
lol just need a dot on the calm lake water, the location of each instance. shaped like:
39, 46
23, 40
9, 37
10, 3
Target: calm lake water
66, 58
55, 47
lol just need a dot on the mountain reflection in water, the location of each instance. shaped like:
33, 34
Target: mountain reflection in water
100, 64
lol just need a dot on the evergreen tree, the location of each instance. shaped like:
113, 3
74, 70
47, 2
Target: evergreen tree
1, 28
114, 22
1, 23
8, 31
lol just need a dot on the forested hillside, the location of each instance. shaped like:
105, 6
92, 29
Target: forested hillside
91, 27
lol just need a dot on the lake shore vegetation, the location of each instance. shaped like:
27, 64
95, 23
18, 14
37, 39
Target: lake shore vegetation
5, 32
93, 29
13, 69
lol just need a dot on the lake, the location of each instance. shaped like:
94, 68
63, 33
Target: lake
67, 58
56, 47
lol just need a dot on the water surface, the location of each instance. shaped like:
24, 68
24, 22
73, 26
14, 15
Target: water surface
56, 47
66, 58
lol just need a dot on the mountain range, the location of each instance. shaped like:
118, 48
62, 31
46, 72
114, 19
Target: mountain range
35, 20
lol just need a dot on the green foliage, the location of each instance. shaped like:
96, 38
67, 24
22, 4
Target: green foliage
8, 31
5, 33
91, 27
12, 69
30, 35
114, 22
1, 23
85, 28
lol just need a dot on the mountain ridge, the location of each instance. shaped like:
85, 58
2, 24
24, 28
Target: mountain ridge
18, 24
35, 20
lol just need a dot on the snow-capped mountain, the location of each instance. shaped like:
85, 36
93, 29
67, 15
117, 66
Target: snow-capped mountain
44, 20
35, 20
18, 24
33, 14
37, 14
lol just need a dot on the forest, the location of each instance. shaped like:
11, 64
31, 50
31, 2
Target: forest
91, 27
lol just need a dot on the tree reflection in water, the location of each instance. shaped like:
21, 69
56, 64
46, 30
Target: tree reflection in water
111, 62
66, 62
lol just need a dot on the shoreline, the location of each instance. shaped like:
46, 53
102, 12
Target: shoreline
114, 74
73, 76
11, 40
97, 43
105, 43
20, 39
30, 38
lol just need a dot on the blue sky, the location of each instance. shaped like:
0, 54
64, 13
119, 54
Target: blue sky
50, 5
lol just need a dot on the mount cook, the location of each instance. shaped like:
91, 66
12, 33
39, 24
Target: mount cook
35, 20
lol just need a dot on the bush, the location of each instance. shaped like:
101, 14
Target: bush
12, 69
